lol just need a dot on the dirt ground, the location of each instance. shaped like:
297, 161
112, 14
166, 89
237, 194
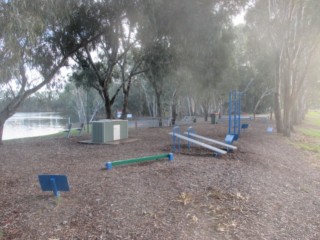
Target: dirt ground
266, 189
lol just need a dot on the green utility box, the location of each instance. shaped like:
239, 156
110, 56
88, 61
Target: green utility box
104, 131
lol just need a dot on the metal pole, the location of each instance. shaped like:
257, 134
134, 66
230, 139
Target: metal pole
235, 112
230, 111
239, 113
54, 187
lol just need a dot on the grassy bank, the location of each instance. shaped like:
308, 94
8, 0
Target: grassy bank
311, 131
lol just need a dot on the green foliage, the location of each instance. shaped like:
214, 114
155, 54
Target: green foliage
284, 39
84, 23
185, 46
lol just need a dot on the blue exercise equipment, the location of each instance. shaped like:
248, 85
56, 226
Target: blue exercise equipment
110, 165
175, 141
234, 114
229, 139
55, 183
176, 136
192, 134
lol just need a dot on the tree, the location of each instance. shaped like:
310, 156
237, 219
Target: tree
198, 35
130, 65
97, 63
28, 59
292, 30
159, 62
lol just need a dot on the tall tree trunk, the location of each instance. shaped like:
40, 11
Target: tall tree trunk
1, 131
277, 97
265, 93
148, 102
287, 117
287, 105
126, 91
206, 113
189, 106
174, 108
107, 105
125, 105
159, 108
277, 112
6, 113
299, 110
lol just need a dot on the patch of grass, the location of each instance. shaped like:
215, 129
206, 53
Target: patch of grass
313, 117
314, 114
309, 147
313, 121
309, 132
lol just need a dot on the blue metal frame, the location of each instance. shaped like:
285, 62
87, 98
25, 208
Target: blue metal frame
234, 114
175, 129
190, 130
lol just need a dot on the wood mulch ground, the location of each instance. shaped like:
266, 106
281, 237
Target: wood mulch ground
267, 189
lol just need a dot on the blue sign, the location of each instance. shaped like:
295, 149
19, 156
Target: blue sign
54, 183
270, 129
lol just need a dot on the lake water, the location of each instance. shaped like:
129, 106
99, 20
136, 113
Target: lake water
23, 125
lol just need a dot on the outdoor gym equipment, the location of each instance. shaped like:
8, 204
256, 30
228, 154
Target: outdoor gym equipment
191, 133
110, 165
55, 183
177, 136
234, 114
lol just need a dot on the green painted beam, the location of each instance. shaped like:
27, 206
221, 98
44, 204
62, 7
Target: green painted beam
109, 165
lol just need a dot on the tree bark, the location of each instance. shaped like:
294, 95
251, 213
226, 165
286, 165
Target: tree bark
159, 112
266, 93
174, 108
287, 116
277, 96
277, 112
125, 105
1, 131
107, 104
125, 91
206, 113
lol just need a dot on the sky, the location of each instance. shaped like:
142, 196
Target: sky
239, 19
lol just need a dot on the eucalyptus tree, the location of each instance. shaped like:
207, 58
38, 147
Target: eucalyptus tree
206, 42
254, 71
131, 63
157, 48
104, 63
291, 30
28, 58
197, 35
159, 62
